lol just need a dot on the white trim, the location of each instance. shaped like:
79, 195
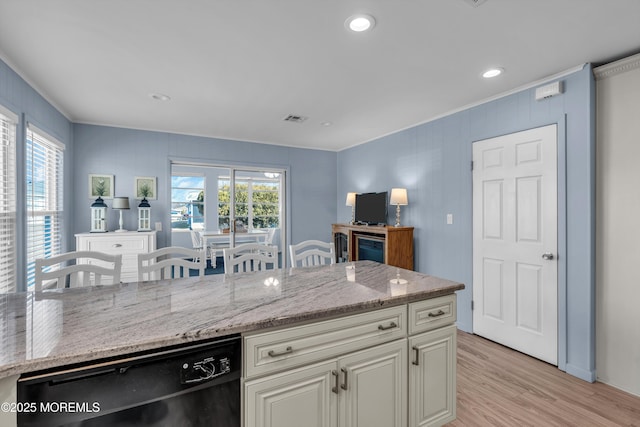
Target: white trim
36, 88
51, 139
13, 117
617, 67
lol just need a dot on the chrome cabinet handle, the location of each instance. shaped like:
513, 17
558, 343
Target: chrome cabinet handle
335, 389
344, 385
547, 256
437, 314
417, 359
391, 326
287, 350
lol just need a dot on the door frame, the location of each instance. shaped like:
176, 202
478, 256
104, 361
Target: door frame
561, 147
248, 166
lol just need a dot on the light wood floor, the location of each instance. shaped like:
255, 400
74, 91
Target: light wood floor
498, 386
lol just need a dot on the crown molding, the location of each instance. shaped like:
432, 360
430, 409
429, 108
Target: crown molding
617, 67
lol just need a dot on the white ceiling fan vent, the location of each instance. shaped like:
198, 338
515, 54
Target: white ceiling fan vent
295, 118
474, 3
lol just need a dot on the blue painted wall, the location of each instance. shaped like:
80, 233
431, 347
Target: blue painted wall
30, 107
127, 153
433, 162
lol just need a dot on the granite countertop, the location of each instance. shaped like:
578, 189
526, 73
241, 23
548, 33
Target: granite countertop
42, 330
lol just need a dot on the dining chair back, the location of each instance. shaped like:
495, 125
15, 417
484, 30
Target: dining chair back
171, 263
90, 268
196, 240
310, 253
249, 257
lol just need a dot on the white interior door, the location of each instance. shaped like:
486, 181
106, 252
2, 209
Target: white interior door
515, 229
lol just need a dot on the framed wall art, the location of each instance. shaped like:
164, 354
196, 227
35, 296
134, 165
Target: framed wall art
101, 186
145, 187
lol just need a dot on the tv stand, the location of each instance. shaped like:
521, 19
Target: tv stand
388, 244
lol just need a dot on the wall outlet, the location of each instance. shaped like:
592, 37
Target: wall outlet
449, 219
158, 226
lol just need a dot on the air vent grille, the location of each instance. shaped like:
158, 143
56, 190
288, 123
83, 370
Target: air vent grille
295, 118
474, 3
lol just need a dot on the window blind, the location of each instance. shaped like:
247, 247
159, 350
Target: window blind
44, 183
8, 124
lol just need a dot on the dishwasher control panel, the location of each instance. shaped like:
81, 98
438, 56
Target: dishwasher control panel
204, 369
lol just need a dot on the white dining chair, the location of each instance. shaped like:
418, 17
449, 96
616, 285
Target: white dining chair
197, 241
90, 268
310, 253
250, 257
171, 263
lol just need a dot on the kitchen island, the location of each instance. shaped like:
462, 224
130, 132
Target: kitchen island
53, 329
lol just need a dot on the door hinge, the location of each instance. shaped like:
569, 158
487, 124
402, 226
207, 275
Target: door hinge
471, 305
471, 164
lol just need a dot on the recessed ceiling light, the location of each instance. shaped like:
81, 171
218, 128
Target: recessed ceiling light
360, 23
493, 72
160, 97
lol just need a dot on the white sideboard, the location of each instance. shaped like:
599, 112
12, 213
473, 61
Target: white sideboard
127, 243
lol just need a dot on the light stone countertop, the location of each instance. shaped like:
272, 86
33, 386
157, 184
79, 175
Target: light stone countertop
42, 330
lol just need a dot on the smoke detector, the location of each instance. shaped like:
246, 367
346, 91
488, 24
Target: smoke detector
547, 91
474, 3
295, 118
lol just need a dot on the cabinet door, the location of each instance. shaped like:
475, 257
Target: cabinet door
373, 387
432, 377
300, 397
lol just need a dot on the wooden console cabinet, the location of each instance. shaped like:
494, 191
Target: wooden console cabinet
397, 243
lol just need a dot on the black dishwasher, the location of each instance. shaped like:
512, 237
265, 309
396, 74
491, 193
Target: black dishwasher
191, 386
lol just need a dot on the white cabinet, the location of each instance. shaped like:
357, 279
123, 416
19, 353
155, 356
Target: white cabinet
128, 243
373, 387
432, 371
293, 398
362, 389
393, 367
268, 352
432, 377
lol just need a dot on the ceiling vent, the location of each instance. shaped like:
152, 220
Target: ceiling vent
474, 3
295, 118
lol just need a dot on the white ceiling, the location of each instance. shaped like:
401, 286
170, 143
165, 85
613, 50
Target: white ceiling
235, 68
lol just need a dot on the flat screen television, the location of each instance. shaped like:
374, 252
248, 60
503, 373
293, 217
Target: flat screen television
371, 208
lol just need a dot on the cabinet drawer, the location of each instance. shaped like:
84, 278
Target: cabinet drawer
119, 245
432, 313
283, 349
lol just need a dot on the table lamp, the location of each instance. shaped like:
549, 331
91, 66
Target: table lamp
398, 198
120, 203
351, 201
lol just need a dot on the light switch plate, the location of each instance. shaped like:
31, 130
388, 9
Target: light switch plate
449, 219
158, 226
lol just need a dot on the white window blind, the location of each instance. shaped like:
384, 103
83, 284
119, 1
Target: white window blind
44, 182
8, 124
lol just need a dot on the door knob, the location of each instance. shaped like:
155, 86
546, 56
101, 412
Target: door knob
547, 256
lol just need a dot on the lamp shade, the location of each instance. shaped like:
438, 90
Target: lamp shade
120, 203
399, 197
351, 199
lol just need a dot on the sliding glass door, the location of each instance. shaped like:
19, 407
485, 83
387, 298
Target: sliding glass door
227, 206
